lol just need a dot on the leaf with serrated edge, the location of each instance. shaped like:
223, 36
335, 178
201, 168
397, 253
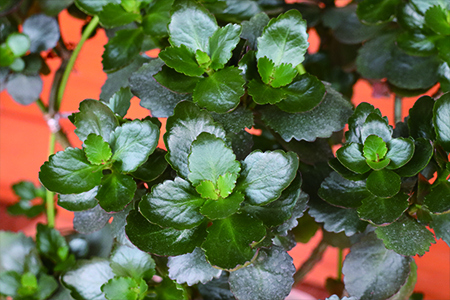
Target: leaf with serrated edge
221, 43
438, 200
253, 29
120, 101
226, 184
341, 192
441, 120
116, 191
437, 18
264, 94
441, 227
182, 60
96, 149
122, 49
192, 268
128, 261
120, 288
383, 211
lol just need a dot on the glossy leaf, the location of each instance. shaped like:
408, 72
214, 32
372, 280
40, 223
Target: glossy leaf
173, 204
344, 172
260, 167
440, 225
170, 290
382, 211
90, 220
416, 43
14, 248
191, 268
147, 236
93, 7
253, 28
153, 167
351, 156
420, 121
375, 12
376, 125
221, 91
122, 49
423, 5
383, 183
70, 172
443, 46
43, 32
228, 244
374, 148
158, 17
175, 81
437, 18
362, 111
78, 202
182, 60
96, 149
6, 55
441, 120
23, 96
183, 128
217, 289
275, 76
341, 192
269, 277
132, 262
116, 191
235, 121
423, 151
114, 15
406, 237
53, 8
400, 152
221, 43
223, 207
121, 288
120, 101
19, 43
264, 94
438, 200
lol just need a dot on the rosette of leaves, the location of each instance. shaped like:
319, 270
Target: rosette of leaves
27, 191
103, 171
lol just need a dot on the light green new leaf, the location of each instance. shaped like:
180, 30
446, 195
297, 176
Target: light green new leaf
223, 207
122, 49
116, 191
441, 120
226, 183
132, 262
438, 19
264, 94
19, 43
275, 76
182, 60
121, 288
221, 43
374, 148
96, 149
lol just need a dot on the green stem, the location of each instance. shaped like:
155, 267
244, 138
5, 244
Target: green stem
340, 257
49, 199
86, 33
309, 264
397, 109
301, 69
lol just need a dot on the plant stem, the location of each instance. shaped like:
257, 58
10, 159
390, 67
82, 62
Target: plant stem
301, 69
49, 199
62, 87
309, 264
397, 109
340, 256
61, 136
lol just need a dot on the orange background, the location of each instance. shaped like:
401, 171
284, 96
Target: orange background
24, 147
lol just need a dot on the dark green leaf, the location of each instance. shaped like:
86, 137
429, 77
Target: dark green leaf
385, 271
173, 204
362, 111
297, 212
441, 227
170, 290
416, 43
132, 262
375, 12
96, 149
93, 7
376, 125
264, 94
43, 32
153, 167
423, 151
437, 18
438, 200
382, 211
86, 278
344, 172
78, 202
14, 247
420, 121
220, 92
191, 268
182, 60
122, 49
443, 46
175, 81
400, 152
120, 101
383, 183
114, 15
121, 288
53, 8
132, 143
147, 236
234, 11
192, 25
351, 156
275, 76
341, 192
183, 128
221, 43
26, 208
229, 240
23, 96
253, 29
406, 237
94, 117
19, 44
90, 220
158, 17
441, 120
217, 289
116, 191
69, 172
51, 244
269, 277
277, 167
235, 121
334, 110
304, 94
284, 39
223, 207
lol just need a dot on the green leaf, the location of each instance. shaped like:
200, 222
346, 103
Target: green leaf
376, 12
14, 248
374, 148
191, 268
344, 172
182, 129
228, 244
26, 190
153, 167
269, 277
351, 156
96, 149
47, 285
86, 278
329, 116
438, 19
385, 271
191, 25
284, 39
362, 111
132, 262
175, 81
441, 121
122, 49
116, 191
235, 121
53, 8
19, 43
223, 207
148, 237
217, 289
264, 94
259, 168
51, 244
441, 225
220, 92
253, 29
279, 211
113, 15
158, 17
93, 7
10, 283
420, 121
78, 202
416, 43
120, 101
382, 211
226, 183
182, 60
423, 151
43, 32
341, 192
443, 46
275, 76
221, 43
94, 117
376, 125
170, 290
160, 100
438, 200
69, 172
423, 5
203, 59
31, 94
90, 220
6, 55
400, 152
121, 288
406, 236
304, 94
383, 183
297, 212
173, 204
207, 190
379, 165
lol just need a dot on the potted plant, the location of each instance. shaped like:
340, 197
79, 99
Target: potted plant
213, 215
